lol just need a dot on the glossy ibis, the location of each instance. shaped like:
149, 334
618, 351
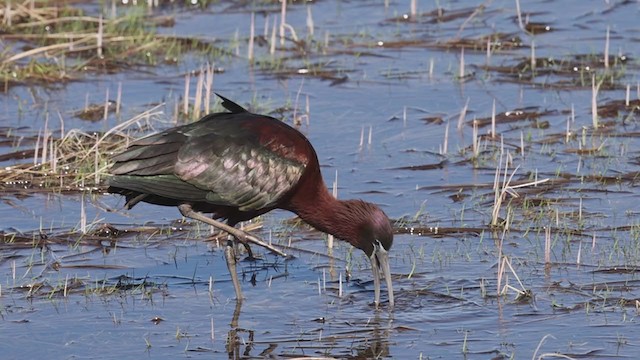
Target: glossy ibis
237, 165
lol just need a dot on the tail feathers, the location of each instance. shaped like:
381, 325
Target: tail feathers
231, 106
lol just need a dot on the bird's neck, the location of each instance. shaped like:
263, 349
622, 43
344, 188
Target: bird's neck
327, 214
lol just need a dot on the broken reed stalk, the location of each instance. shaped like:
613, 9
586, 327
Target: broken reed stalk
252, 30
493, 119
501, 264
283, 20
594, 101
404, 117
46, 139
431, 66
61, 124
500, 192
461, 70
105, 114
533, 56
96, 164
118, 98
519, 14
272, 42
100, 37
197, 103
185, 100
83, 215
307, 109
488, 50
67, 47
606, 49
37, 148
334, 191
445, 145
210, 70
297, 119
475, 139
265, 31
579, 256
522, 289
627, 95
310, 24
463, 114
547, 245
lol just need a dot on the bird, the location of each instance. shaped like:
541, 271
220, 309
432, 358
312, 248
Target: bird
237, 165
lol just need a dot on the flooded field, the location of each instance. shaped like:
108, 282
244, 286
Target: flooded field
501, 137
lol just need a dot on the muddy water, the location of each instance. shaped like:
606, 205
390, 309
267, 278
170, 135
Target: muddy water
395, 78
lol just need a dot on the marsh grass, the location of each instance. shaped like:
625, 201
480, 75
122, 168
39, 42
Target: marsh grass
73, 162
535, 230
64, 44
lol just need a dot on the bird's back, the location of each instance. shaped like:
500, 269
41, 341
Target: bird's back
231, 164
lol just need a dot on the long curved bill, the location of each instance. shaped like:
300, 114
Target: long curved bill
380, 261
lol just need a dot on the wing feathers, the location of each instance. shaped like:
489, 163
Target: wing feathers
163, 185
162, 164
222, 159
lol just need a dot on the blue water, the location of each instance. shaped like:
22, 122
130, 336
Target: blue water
445, 286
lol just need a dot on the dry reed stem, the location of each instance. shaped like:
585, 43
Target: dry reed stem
197, 103
547, 245
594, 101
252, 30
69, 47
521, 291
283, 20
334, 191
272, 42
210, 70
119, 98
493, 119
606, 49
533, 56
185, 100
475, 139
310, 25
100, 36
519, 14
463, 114
461, 70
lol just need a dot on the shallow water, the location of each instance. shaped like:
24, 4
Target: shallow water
582, 305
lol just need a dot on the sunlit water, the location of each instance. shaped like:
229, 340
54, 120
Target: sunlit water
445, 286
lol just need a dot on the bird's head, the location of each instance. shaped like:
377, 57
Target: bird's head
376, 231
375, 237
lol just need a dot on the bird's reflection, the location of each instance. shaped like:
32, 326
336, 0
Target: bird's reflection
371, 341
237, 346
375, 346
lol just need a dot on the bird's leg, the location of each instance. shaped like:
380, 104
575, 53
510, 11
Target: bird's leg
248, 248
187, 211
230, 256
